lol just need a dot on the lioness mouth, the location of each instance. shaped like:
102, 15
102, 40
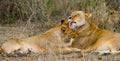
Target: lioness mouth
70, 24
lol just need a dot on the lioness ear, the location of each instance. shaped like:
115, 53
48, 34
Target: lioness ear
63, 29
63, 21
88, 15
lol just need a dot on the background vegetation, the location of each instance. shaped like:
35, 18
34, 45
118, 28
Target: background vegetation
24, 18
51, 11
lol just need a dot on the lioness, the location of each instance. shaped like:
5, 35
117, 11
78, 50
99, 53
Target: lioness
90, 37
52, 39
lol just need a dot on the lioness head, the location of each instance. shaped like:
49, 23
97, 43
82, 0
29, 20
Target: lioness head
69, 33
66, 30
65, 26
77, 19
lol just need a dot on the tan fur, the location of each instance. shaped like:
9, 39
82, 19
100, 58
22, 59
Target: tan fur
52, 39
92, 38
113, 20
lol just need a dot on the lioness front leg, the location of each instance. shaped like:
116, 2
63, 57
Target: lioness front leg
67, 50
70, 43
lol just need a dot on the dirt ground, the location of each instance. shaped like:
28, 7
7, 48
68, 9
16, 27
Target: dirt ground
13, 32
68, 57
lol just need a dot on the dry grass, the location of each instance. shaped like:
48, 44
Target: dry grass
51, 11
24, 18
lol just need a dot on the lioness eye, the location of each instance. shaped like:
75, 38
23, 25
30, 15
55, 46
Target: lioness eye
73, 36
69, 17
